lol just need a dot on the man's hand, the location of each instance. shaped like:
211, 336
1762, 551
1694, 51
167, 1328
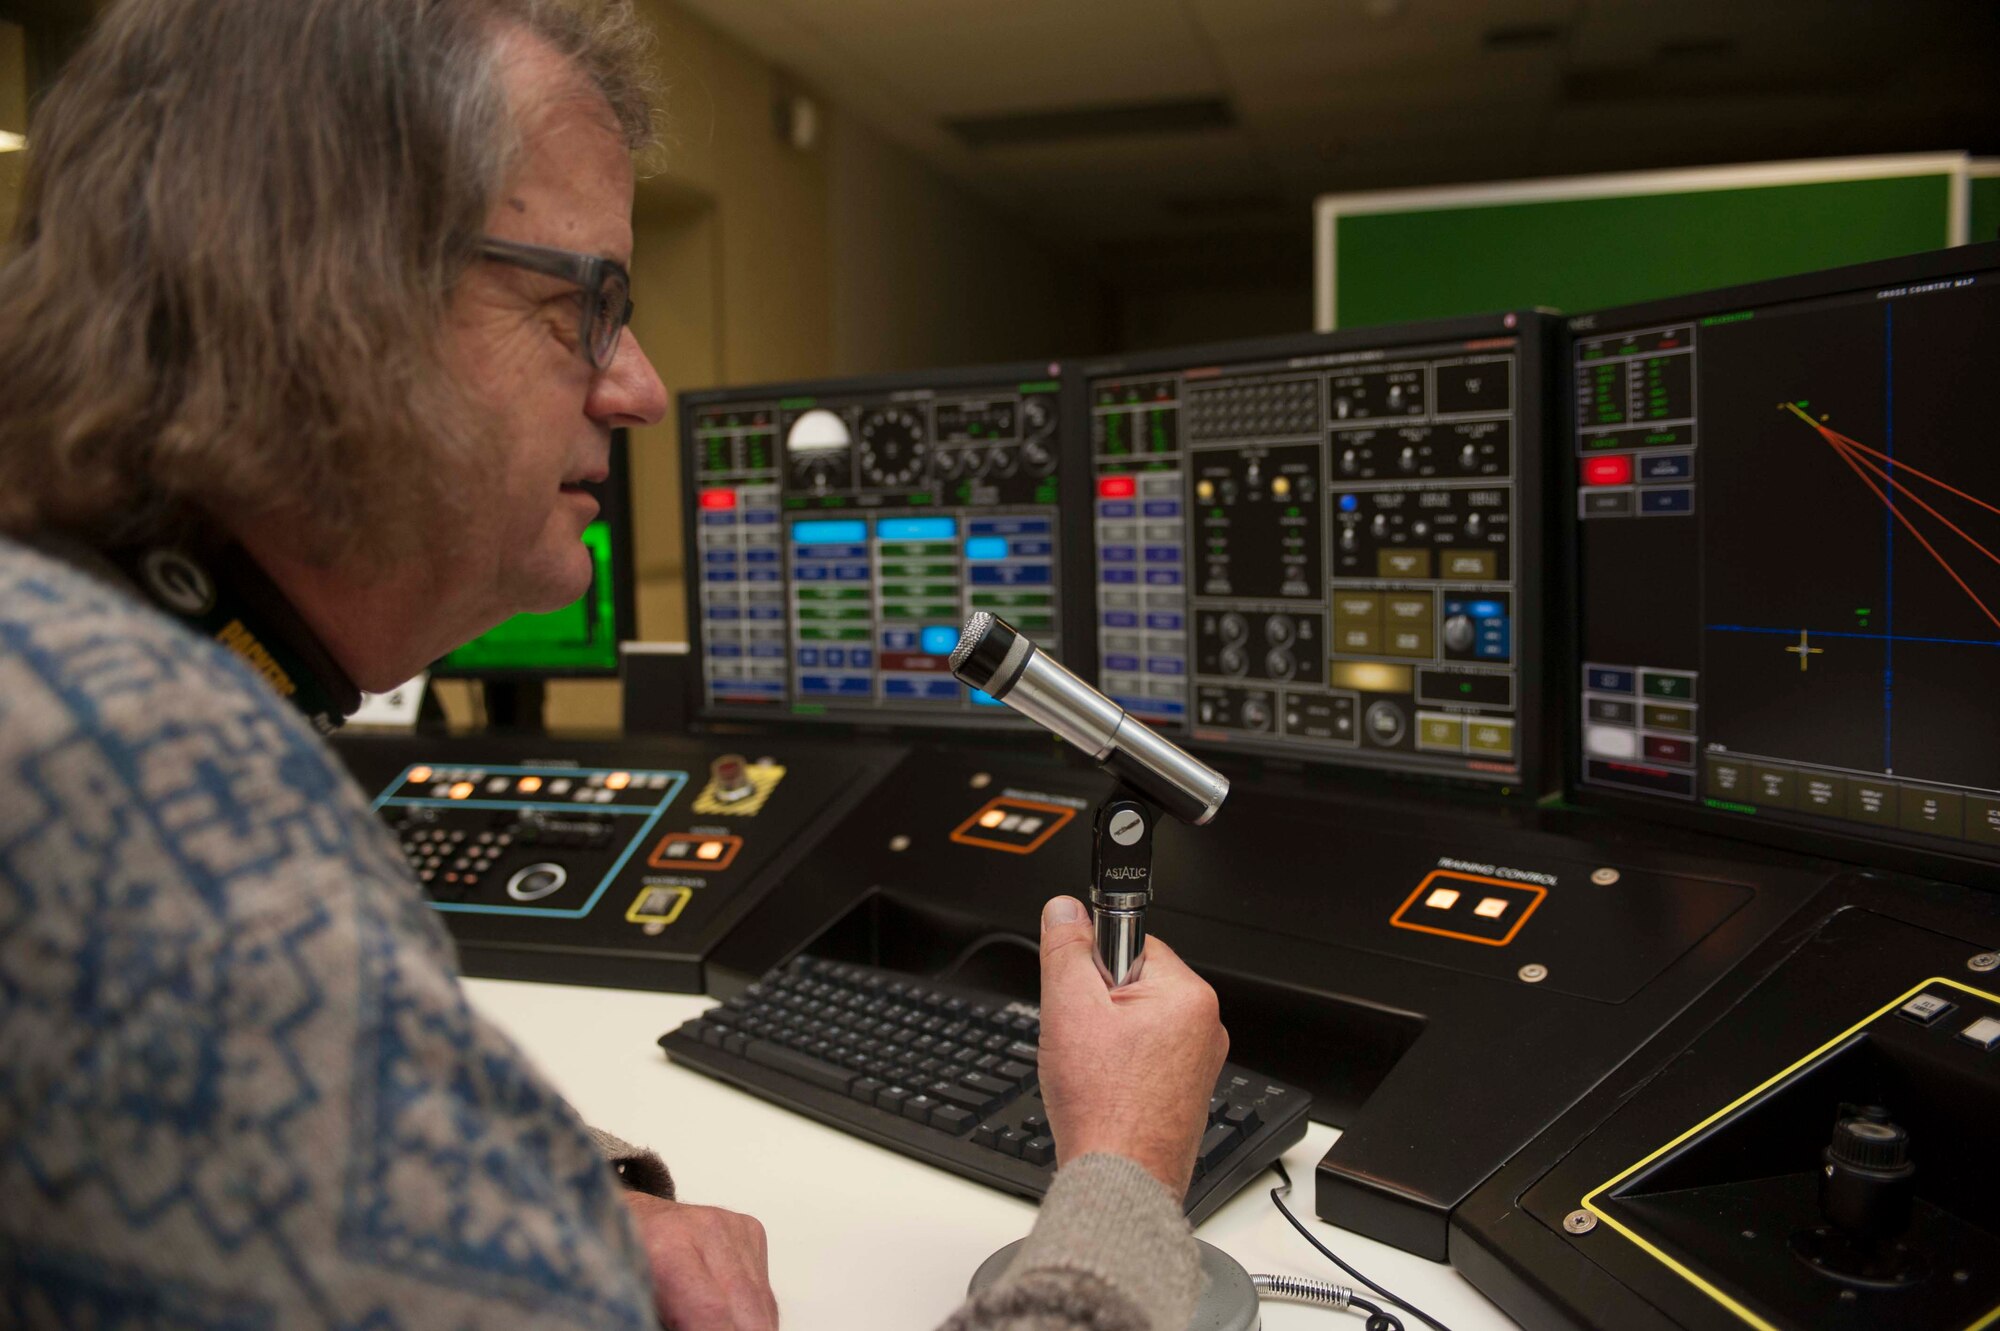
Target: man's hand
710, 1267
1130, 1070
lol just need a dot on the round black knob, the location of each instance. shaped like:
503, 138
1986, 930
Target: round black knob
1868, 1145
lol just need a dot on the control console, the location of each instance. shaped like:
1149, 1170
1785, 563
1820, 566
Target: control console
1327, 548
602, 863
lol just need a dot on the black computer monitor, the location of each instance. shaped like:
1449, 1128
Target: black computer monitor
1786, 542
840, 531
581, 640
1328, 548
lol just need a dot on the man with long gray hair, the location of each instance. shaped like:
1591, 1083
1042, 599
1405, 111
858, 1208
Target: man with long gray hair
313, 330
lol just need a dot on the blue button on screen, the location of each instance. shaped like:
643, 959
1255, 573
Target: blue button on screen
984, 699
939, 641
986, 547
916, 529
829, 533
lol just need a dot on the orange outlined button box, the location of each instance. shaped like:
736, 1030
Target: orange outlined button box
1468, 907
703, 851
1019, 827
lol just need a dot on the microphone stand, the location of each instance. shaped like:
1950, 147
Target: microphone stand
1121, 881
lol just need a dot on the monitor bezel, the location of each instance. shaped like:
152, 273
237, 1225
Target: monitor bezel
1535, 722
614, 497
1887, 848
992, 723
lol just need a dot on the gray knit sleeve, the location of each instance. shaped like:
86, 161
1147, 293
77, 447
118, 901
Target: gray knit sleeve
638, 1169
1110, 1251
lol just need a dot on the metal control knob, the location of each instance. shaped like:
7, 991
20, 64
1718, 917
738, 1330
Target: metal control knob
1380, 526
1350, 539
1002, 462
1279, 630
1458, 633
1468, 457
1038, 458
1473, 524
1256, 715
729, 776
944, 463
1384, 723
1278, 664
1234, 661
1407, 459
1350, 461
1234, 627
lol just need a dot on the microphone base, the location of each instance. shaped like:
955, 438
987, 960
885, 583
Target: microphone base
1228, 1303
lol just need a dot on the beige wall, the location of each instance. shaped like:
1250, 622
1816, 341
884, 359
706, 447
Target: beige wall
13, 117
927, 274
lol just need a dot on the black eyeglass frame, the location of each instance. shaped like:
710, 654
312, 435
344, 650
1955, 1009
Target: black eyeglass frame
590, 273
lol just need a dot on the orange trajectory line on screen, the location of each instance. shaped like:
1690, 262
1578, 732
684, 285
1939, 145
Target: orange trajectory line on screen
1859, 458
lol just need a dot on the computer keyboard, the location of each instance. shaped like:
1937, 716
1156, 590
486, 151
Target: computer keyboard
946, 1074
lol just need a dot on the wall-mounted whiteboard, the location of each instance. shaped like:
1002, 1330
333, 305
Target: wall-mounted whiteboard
1588, 242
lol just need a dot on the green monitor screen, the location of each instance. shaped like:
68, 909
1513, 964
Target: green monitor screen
582, 638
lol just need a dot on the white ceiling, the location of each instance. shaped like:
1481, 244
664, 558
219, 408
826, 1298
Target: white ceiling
1338, 95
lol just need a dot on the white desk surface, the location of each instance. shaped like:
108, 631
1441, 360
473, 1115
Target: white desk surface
863, 1239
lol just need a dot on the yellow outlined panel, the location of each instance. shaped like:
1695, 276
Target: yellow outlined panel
667, 903
1680, 1269
764, 778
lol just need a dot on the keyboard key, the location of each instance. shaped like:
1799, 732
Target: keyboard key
1035, 1123
988, 1134
1216, 1106
953, 1119
977, 1102
1023, 1052
991, 1085
864, 1090
891, 1098
1039, 1150
1012, 1140
919, 1106
802, 1066
1016, 1072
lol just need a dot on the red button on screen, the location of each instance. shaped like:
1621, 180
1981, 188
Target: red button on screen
718, 499
1607, 471
1116, 487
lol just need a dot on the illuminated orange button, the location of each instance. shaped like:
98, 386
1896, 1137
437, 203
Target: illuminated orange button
462, 790
419, 775
992, 818
709, 850
618, 780
530, 784
1204, 490
1442, 899
1491, 908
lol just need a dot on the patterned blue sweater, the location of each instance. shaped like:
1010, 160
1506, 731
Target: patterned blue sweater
240, 1085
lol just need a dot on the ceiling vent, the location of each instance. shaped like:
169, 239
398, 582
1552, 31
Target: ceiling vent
1030, 128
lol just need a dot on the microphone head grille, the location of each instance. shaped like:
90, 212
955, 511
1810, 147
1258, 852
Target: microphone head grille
976, 627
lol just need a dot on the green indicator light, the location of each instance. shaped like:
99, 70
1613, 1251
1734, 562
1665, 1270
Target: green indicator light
808, 709
1291, 512
1042, 386
1730, 807
794, 404
1736, 318
1465, 688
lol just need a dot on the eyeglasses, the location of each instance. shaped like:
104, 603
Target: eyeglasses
606, 287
